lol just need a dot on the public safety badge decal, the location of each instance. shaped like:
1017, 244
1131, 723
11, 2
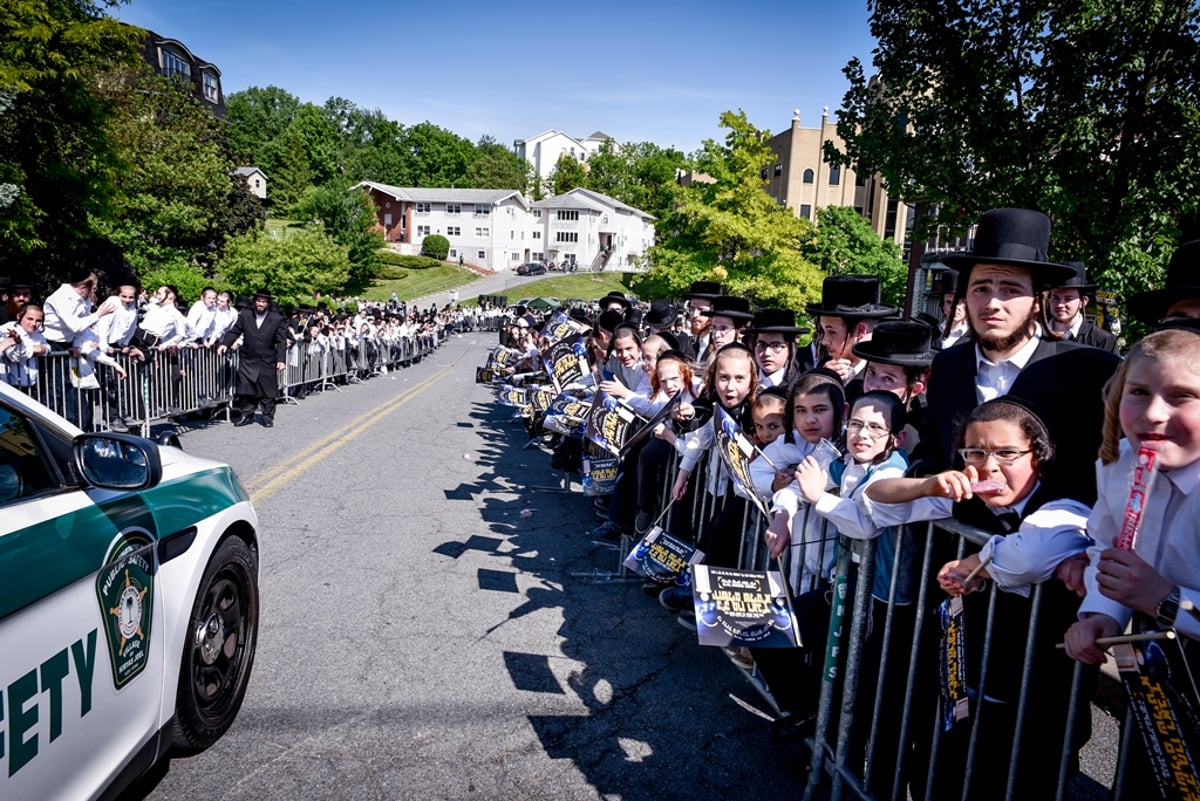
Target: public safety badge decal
125, 589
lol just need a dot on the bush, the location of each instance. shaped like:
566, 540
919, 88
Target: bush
386, 273
435, 246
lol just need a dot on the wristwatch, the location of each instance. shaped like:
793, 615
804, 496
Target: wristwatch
1167, 609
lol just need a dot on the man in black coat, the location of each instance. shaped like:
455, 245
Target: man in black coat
1066, 303
1007, 351
260, 358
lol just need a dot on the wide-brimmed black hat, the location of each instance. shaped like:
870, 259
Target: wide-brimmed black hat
242, 302
735, 308
1078, 280
1014, 238
609, 320
855, 297
633, 316
662, 314
579, 315
900, 342
703, 289
1183, 283
671, 340
264, 293
776, 321
945, 281
614, 297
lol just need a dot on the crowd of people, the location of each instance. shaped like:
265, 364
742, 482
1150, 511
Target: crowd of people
993, 418
110, 354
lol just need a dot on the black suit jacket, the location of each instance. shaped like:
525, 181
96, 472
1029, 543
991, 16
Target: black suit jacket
1063, 381
262, 346
1093, 335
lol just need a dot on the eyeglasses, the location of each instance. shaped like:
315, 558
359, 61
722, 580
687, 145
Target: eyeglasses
1004, 456
874, 429
774, 347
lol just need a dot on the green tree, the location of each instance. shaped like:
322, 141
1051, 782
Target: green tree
56, 164
435, 246
349, 218
844, 243
438, 157
567, 174
1086, 109
497, 167
373, 148
178, 199
257, 118
294, 265
728, 228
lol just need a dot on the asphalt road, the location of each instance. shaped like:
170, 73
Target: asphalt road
420, 639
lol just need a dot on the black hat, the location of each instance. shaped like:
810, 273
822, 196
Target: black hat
671, 340
731, 306
706, 290
662, 314
907, 344
78, 273
263, 293
1183, 283
242, 302
633, 316
615, 297
945, 281
929, 320
776, 321
4, 282
579, 315
1016, 238
1078, 280
854, 297
609, 320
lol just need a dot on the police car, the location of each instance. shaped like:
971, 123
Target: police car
129, 604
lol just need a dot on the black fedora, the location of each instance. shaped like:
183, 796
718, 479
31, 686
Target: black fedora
706, 290
1183, 283
1013, 238
263, 293
855, 297
945, 281
614, 297
733, 307
633, 316
776, 321
609, 320
899, 342
662, 314
1078, 280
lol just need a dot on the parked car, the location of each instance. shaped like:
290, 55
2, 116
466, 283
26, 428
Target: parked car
532, 268
130, 604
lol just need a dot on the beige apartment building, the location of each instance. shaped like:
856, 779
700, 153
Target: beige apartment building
803, 181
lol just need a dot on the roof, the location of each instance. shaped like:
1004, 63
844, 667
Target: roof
598, 135
546, 134
247, 171
415, 194
580, 198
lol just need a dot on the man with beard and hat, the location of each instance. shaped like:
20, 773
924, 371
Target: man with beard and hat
849, 310
1008, 351
661, 317
954, 308
1066, 303
772, 336
261, 358
698, 345
1178, 301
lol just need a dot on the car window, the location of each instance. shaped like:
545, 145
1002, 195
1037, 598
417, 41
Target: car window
23, 468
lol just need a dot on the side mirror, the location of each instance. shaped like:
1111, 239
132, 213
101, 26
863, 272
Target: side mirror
117, 461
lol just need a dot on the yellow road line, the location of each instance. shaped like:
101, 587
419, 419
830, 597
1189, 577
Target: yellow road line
268, 483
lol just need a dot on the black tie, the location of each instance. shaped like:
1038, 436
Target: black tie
1009, 521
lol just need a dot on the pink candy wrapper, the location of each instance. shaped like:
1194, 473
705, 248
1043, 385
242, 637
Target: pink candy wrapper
1144, 471
988, 486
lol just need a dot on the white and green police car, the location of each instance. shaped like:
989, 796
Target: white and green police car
128, 604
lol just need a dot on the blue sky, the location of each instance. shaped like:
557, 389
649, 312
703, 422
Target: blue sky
650, 71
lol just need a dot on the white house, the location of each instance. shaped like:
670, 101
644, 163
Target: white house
544, 150
593, 231
255, 179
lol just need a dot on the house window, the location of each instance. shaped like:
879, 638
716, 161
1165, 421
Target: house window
537, 213
482, 232
779, 169
387, 220
808, 176
566, 236
212, 92
539, 256
422, 230
453, 254
568, 215
453, 230
806, 211
175, 67
481, 255
257, 184
421, 208
516, 257
537, 234
483, 208
454, 208
835, 175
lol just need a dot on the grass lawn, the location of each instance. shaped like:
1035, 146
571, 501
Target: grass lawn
278, 225
589, 286
417, 283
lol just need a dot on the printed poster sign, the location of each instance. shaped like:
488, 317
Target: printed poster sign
610, 423
662, 558
736, 452
644, 433
599, 470
952, 663
742, 608
539, 398
566, 361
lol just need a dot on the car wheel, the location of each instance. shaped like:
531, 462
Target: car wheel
219, 650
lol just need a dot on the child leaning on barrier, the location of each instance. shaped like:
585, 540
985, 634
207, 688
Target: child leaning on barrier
1154, 401
1004, 447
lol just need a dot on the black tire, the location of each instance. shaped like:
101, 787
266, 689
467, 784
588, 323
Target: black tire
218, 651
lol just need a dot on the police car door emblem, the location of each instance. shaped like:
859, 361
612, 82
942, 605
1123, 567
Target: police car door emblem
125, 589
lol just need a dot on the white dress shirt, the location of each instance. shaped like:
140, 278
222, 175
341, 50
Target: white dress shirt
65, 314
116, 330
995, 379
